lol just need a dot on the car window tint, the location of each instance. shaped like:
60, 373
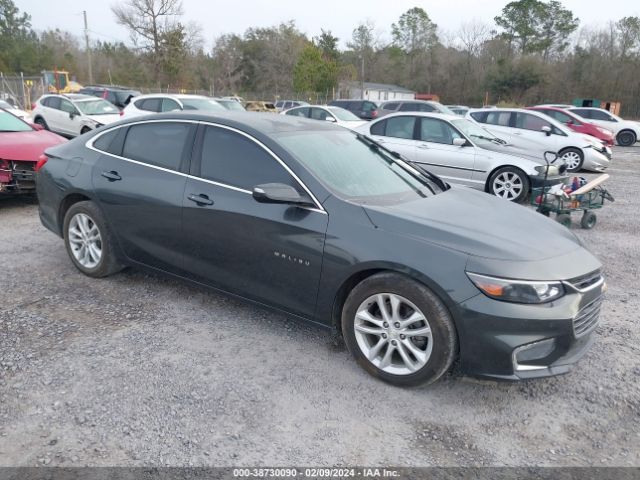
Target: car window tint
480, 117
159, 144
582, 112
530, 122
369, 107
67, 106
319, 114
168, 105
437, 131
105, 142
599, 115
498, 118
562, 117
298, 112
149, 104
378, 128
235, 160
393, 106
400, 127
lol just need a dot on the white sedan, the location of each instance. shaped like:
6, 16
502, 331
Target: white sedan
627, 132
536, 133
336, 115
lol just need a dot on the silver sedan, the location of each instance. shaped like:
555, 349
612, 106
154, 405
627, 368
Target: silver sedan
460, 151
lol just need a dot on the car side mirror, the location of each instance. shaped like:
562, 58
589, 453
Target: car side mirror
72, 115
330, 119
546, 130
36, 126
278, 193
459, 142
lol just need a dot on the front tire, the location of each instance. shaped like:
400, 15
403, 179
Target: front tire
509, 183
42, 122
89, 241
398, 330
626, 138
573, 158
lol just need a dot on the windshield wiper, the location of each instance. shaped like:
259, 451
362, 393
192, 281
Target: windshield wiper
377, 147
490, 139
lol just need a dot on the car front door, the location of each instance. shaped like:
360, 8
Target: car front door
437, 153
269, 252
140, 180
70, 118
530, 127
397, 134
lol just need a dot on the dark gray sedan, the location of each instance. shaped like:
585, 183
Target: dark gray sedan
326, 225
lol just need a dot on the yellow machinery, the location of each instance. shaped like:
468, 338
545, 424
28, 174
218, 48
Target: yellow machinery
57, 81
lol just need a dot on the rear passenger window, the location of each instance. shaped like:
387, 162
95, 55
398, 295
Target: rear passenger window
168, 105
298, 112
400, 127
391, 106
234, 160
498, 118
379, 128
53, 102
106, 142
149, 104
160, 144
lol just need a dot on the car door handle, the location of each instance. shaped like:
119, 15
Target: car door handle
423, 146
200, 199
112, 176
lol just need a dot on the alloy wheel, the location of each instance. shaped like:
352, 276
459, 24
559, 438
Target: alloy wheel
572, 160
508, 185
85, 240
393, 334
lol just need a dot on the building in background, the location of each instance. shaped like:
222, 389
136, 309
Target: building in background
377, 92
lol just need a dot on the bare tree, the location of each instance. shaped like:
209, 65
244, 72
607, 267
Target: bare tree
148, 22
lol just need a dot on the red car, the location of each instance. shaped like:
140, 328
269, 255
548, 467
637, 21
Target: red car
21, 146
577, 124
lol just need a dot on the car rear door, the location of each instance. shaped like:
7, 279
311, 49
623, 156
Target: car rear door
52, 114
271, 253
139, 181
436, 152
397, 134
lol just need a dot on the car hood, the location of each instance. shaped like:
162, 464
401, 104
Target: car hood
28, 145
105, 119
478, 224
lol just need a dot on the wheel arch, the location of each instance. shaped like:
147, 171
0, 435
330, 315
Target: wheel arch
366, 271
629, 130
67, 202
492, 172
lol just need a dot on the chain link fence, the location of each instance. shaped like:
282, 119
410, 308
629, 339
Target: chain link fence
20, 90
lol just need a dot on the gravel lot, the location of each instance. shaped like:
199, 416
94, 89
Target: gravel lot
139, 369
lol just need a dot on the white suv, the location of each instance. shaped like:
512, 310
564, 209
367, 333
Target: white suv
627, 132
537, 133
165, 102
73, 114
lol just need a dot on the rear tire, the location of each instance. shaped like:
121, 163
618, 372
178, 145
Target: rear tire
89, 241
573, 158
42, 122
413, 342
589, 220
509, 183
626, 138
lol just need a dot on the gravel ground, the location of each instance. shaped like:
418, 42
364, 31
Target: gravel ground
139, 369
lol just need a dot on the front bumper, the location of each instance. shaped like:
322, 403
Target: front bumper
596, 159
510, 341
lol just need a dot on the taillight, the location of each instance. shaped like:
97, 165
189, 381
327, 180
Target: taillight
374, 113
122, 113
42, 159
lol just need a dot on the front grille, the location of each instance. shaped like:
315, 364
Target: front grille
23, 171
585, 281
587, 318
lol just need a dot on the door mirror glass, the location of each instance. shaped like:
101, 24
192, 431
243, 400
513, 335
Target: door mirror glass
546, 129
278, 193
459, 142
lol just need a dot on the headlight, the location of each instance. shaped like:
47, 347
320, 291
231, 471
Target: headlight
517, 291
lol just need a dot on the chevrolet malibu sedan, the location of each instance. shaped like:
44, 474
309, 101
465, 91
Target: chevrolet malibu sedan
326, 225
459, 151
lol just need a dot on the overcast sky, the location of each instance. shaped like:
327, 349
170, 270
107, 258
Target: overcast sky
340, 16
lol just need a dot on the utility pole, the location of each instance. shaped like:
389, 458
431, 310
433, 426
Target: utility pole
362, 78
86, 39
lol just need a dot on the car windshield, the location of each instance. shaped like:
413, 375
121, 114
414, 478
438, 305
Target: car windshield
231, 105
96, 107
478, 134
355, 170
11, 123
344, 115
201, 104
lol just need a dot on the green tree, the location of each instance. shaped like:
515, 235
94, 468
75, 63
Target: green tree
328, 44
533, 26
511, 81
313, 73
19, 46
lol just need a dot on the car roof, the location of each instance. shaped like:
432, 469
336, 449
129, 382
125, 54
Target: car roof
263, 123
443, 116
